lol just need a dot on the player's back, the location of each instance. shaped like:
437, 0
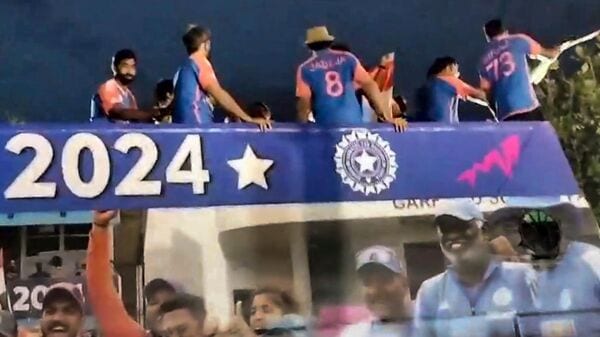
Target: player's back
190, 105
504, 70
330, 75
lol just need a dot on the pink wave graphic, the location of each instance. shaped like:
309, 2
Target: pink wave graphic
505, 158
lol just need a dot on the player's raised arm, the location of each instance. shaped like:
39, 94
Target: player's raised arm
540, 71
535, 48
106, 303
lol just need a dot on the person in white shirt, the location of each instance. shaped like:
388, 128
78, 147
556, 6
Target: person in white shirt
477, 295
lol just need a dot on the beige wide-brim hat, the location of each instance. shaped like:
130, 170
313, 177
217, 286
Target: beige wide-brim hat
318, 34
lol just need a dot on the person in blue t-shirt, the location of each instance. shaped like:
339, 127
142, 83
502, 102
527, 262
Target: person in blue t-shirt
195, 82
504, 73
476, 295
326, 84
443, 91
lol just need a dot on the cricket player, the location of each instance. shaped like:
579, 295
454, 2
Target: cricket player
326, 84
504, 73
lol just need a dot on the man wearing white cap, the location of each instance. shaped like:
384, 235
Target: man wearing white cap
386, 292
326, 85
474, 284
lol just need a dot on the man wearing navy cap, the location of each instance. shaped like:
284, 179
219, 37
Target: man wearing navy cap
62, 311
475, 284
386, 292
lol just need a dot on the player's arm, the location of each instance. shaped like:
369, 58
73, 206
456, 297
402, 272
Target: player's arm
474, 95
369, 86
209, 82
303, 108
535, 48
371, 89
550, 52
303, 95
113, 105
227, 102
485, 85
466, 91
113, 319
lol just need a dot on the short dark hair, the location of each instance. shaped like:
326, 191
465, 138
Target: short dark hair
194, 304
440, 64
194, 37
155, 286
280, 298
493, 28
340, 46
316, 46
162, 89
122, 55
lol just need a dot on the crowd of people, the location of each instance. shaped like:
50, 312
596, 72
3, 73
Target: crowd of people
513, 264
331, 83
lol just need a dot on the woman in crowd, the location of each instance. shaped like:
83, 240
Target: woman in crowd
274, 309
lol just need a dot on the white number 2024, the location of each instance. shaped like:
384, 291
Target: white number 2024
28, 184
27, 299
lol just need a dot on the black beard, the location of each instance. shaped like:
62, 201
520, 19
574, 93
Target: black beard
125, 80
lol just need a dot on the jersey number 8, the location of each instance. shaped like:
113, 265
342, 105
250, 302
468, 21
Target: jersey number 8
334, 86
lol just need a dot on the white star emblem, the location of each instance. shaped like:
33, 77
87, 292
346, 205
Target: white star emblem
366, 162
251, 169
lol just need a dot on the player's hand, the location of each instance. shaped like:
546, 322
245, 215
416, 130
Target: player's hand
400, 124
102, 218
263, 123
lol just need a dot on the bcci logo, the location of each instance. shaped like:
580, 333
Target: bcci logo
365, 162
